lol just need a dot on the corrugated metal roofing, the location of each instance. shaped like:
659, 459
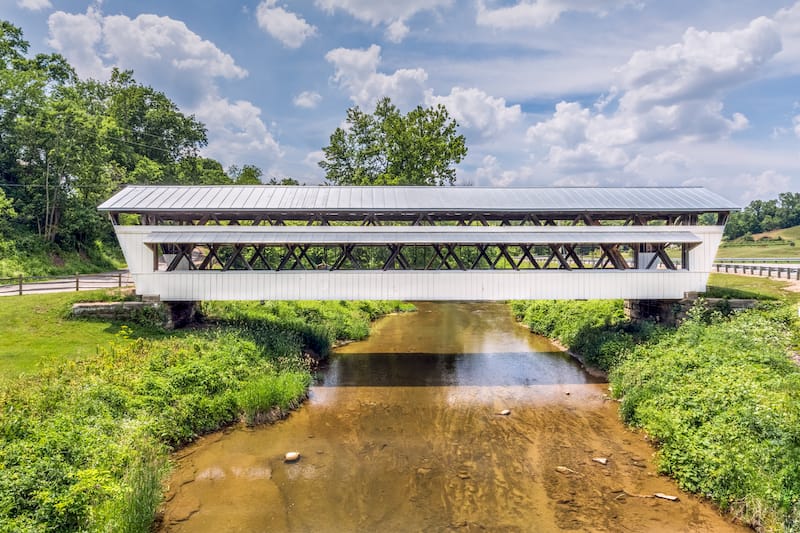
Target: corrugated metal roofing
266, 198
321, 235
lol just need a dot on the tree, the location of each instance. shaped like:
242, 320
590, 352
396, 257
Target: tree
246, 175
389, 148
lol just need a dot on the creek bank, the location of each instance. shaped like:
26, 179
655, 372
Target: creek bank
99, 430
717, 396
405, 432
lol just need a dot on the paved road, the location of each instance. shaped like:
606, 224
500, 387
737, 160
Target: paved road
84, 282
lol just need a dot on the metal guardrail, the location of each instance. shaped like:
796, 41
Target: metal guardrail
759, 270
79, 282
758, 260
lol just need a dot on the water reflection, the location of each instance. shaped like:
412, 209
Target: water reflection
454, 369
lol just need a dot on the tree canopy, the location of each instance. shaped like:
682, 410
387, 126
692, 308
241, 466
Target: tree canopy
387, 147
765, 215
67, 144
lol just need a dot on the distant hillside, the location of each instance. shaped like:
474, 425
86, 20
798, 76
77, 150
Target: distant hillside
775, 243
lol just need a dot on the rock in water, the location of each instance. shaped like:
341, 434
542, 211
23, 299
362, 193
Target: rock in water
666, 497
505, 412
291, 457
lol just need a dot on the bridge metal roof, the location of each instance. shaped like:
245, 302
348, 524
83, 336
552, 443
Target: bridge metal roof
294, 199
377, 235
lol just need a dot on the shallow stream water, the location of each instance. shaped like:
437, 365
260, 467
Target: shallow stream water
403, 434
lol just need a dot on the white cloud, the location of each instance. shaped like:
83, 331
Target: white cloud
284, 25
151, 39
702, 64
356, 71
34, 5
166, 54
669, 93
766, 185
473, 108
307, 99
788, 21
491, 173
539, 13
394, 14
238, 131
796, 121
76, 37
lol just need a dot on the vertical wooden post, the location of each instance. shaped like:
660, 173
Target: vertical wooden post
77, 282
20, 285
119, 280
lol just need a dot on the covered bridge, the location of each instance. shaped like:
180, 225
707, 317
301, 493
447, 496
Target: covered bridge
190, 243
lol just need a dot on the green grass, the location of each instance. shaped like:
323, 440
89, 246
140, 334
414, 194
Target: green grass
718, 395
34, 258
85, 433
36, 330
733, 286
758, 248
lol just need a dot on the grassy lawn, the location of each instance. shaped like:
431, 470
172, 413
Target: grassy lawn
36, 329
731, 285
766, 248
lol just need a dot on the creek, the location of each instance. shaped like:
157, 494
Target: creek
403, 433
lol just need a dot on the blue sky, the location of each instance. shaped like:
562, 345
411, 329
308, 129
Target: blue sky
547, 92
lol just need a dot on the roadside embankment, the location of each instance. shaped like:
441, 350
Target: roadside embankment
86, 440
718, 396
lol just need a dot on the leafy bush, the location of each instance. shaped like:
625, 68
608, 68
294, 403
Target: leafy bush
85, 443
720, 396
598, 330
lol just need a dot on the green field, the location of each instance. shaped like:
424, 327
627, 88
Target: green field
36, 330
733, 286
763, 245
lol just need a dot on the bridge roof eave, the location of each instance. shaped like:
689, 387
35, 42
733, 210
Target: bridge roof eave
266, 199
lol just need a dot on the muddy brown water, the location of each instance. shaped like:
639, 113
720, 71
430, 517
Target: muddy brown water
403, 434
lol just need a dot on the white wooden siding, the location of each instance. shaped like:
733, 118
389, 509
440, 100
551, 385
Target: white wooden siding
417, 285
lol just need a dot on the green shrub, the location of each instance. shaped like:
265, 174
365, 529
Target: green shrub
84, 443
721, 398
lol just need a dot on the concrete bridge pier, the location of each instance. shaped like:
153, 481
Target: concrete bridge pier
176, 314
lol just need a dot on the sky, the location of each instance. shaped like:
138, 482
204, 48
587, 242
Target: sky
547, 92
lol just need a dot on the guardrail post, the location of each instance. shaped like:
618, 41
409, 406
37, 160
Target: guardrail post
20, 285
77, 282
119, 280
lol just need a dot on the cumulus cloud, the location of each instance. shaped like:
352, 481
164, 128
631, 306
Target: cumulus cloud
539, 13
473, 108
763, 186
703, 63
393, 15
288, 28
490, 172
669, 93
307, 99
788, 21
77, 37
34, 5
238, 130
356, 71
165, 53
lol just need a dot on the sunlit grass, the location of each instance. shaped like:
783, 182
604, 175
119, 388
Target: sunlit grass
734, 286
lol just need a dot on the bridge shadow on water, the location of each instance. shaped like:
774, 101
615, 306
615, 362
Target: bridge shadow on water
454, 369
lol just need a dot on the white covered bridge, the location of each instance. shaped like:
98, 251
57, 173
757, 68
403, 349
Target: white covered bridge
190, 243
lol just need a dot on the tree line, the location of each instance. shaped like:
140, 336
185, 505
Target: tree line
67, 144
765, 215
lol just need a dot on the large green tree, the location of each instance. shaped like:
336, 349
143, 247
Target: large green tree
387, 147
